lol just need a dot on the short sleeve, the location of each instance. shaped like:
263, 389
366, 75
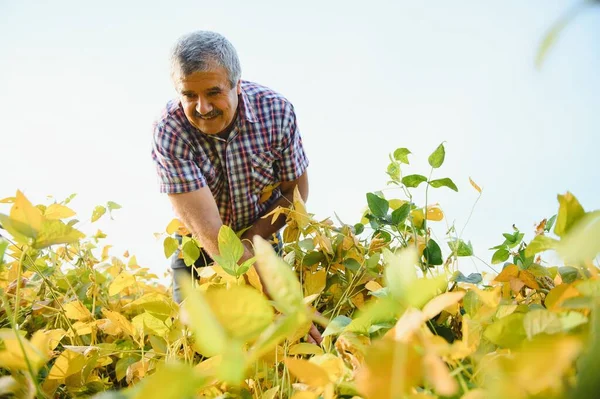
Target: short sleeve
293, 161
178, 171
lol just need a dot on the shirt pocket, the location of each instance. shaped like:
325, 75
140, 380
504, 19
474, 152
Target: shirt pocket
263, 170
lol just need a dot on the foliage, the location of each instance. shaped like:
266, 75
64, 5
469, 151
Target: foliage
397, 316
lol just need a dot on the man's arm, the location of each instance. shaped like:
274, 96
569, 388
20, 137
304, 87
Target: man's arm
199, 213
264, 227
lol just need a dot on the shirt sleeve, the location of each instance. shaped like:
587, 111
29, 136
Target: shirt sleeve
177, 170
293, 161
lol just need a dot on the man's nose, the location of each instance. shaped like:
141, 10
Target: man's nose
203, 106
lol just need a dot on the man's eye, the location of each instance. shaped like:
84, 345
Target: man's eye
189, 95
213, 93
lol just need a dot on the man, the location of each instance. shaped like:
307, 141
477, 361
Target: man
222, 146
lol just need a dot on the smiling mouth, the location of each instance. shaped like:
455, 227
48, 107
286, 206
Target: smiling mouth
207, 117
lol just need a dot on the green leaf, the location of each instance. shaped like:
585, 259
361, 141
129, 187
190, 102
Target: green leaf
569, 212
401, 278
336, 325
163, 383
550, 223
55, 232
400, 214
400, 272
113, 205
571, 320
445, 182
313, 258
461, 248
98, 212
230, 246
378, 206
433, 253
401, 154
278, 278
170, 245
436, 159
539, 244
413, 180
393, 170
500, 255
582, 242
3, 246
358, 228
244, 267
568, 274
540, 321
150, 325
191, 252
351, 264
507, 332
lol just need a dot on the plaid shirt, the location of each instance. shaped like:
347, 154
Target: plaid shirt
263, 149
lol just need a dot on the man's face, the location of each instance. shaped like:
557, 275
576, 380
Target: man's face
209, 102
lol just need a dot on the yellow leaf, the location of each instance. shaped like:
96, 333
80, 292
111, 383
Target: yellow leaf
105, 252
23, 212
304, 348
270, 393
314, 283
395, 204
242, 311
569, 212
57, 211
54, 337
11, 356
373, 286
211, 337
417, 217
122, 281
120, 321
440, 302
438, 375
475, 186
98, 212
266, 193
173, 226
68, 363
508, 273
147, 324
306, 372
435, 213
81, 328
300, 214
76, 310
489, 298
528, 279
391, 370
305, 395
55, 232
558, 295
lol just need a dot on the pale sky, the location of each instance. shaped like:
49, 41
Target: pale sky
81, 83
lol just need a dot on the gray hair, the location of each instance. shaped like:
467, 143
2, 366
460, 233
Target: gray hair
199, 51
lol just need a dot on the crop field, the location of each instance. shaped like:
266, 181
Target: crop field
397, 317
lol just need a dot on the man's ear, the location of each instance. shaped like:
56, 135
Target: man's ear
239, 87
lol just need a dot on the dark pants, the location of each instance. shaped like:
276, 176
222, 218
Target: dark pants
179, 268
